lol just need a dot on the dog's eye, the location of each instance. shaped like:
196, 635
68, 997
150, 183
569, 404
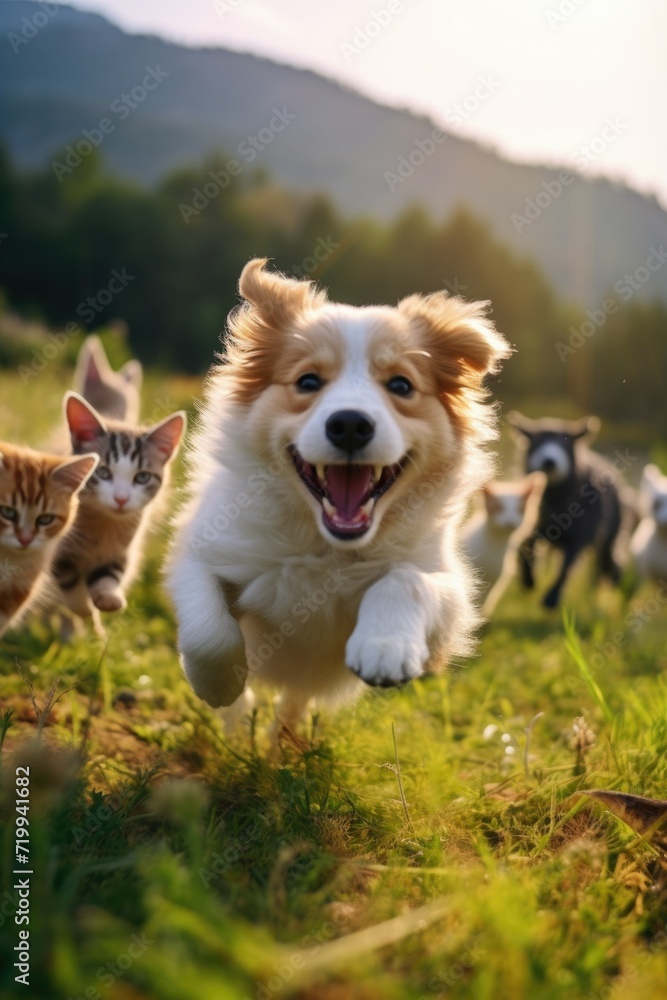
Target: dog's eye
400, 386
309, 383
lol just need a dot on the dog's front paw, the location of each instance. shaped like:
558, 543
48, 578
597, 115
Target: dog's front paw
386, 660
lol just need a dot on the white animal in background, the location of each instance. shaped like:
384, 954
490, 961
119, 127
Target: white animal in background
648, 545
296, 559
492, 536
113, 394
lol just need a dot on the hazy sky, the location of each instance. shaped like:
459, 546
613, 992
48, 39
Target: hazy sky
556, 71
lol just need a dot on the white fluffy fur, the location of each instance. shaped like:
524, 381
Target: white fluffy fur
648, 545
263, 592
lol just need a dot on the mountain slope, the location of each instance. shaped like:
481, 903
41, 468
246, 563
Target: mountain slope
77, 67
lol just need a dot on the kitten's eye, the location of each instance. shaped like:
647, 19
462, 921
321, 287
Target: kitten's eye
103, 472
142, 478
8, 513
44, 519
400, 386
309, 383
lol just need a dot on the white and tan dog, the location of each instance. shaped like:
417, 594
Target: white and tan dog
338, 449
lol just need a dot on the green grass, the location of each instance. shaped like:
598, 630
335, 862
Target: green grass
173, 862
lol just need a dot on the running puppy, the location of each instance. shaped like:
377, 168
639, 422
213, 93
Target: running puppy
293, 558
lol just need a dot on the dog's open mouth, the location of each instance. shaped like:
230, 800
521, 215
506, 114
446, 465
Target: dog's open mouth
347, 493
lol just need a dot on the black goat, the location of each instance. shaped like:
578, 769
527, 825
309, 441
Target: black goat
580, 506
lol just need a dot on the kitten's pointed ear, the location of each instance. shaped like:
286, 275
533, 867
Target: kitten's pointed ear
132, 372
93, 363
489, 497
166, 436
84, 422
74, 473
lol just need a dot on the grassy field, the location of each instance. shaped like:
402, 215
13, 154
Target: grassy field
423, 843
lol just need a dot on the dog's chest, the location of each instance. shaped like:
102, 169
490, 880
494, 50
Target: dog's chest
297, 588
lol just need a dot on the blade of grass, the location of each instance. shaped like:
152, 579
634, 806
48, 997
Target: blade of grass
400, 780
573, 646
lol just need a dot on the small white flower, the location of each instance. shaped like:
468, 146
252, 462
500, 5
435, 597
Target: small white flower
489, 731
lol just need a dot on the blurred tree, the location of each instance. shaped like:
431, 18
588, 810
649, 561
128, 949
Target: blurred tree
181, 248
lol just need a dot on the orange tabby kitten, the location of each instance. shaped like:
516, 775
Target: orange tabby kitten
38, 502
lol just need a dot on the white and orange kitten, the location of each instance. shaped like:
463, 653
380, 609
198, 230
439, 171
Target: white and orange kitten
38, 502
101, 555
491, 537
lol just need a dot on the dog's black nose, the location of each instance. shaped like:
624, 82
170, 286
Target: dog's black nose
349, 429
548, 465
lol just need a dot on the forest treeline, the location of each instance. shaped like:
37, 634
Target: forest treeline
79, 250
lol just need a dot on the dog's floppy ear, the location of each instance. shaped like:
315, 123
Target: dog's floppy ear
254, 343
587, 427
520, 424
272, 300
463, 344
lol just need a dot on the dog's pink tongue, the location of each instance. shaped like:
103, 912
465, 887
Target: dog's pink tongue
348, 486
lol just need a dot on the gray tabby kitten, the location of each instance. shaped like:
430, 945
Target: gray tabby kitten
101, 554
113, 394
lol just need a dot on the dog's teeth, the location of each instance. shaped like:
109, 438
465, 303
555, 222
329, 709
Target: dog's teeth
367, 508
377, 472
328, 507
319, 469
